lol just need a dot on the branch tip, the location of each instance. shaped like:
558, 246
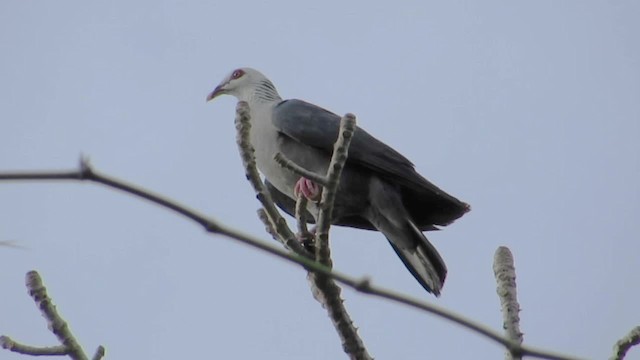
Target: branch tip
623, 345
6, 342
100, 352
505, 274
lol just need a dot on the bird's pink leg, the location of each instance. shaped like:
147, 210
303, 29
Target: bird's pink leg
308, 189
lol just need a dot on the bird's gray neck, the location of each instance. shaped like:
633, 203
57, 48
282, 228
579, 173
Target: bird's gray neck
261, 92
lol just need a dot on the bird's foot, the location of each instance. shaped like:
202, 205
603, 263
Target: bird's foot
308, 189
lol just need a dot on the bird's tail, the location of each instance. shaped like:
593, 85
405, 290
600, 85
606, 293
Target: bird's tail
422, 259
390, 217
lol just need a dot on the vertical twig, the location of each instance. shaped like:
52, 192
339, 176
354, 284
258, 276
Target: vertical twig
55, 322
505, 274
338, 160
300, 213
324, 288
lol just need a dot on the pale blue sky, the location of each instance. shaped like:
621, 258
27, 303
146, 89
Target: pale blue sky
528, 111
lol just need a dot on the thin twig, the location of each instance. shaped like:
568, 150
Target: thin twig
100, 351
301, 208
623, 345
16, 347
323, 288
328, 293
361, 285
338, 159
505, 274
56, 323
299, 170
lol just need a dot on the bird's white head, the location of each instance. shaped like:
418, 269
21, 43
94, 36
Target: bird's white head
246, 84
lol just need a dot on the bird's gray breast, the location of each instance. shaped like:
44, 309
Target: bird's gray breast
265, 140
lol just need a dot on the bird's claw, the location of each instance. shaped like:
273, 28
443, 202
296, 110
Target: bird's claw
308, 189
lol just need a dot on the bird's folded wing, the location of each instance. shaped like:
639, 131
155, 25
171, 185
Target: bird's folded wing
317, 127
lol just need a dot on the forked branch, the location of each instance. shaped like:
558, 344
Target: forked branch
55, 323
364, 285
324, 289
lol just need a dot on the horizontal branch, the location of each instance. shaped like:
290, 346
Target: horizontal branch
16, 347
85, 173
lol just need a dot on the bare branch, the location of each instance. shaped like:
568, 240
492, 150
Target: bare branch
209, 224
55, 323
338, 159
100, 351
623, 345
16, 347
366, 287
361, 285
301, 207
327, 293
505, 274
324, 288
268, 226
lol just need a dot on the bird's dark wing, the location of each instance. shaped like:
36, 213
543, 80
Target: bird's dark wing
317, 127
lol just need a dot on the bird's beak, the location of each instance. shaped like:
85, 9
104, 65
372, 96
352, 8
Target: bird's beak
219, 90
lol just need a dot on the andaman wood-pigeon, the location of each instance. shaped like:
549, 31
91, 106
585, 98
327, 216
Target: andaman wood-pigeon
379, 188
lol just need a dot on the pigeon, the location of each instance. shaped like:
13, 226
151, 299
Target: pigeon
379, 188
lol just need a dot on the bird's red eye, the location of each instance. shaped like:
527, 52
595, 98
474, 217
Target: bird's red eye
236, 74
